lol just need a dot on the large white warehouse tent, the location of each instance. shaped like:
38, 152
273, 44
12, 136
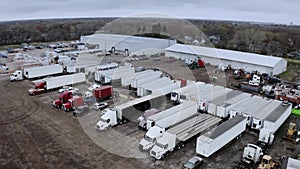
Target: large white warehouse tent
133, 44
238, 60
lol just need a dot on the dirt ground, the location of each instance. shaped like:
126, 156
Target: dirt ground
36, 135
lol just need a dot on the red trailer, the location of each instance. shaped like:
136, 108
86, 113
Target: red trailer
103, 92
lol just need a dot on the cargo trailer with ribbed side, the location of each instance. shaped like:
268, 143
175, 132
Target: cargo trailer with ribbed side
223, 110
107, 76
178, 136
141, 75
180, 95
215, 92
241, 106
257, 121
214, 103
273, 121
212, 141
146, 89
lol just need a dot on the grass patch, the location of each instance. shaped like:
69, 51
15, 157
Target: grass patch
9, 46
293, 70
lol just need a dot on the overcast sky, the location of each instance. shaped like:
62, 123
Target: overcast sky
275, 11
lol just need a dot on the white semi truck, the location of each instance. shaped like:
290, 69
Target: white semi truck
143, 118
215, 139
223, 110
129, 111
214, 103
176, 137
158, 123
55, 82
35, 72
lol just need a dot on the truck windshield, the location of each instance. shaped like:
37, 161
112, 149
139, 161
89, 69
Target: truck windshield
104, 120
160, 145
147, 138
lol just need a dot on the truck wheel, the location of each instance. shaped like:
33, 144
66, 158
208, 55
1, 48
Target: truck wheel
162, 156
120, 122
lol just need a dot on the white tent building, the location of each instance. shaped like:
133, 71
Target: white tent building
238, 60
126, 43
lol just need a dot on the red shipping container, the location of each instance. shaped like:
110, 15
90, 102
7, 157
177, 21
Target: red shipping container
103, 92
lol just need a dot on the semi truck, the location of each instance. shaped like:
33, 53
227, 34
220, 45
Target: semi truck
215, 92
129, 111
35, 72
143, 118
223, 109
218, 137
158, 123
72, 103
62, 98
142, 75
214, 103
182, 94
56, 82
176, 137
103, 92
257, 121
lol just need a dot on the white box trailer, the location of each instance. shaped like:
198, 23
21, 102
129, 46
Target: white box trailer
149, 79
223, 110
177, 136
273, 121
214, 103
214, 140
141, 75
59, 81
107, 76
241, 106
70, 69
176, 94
146, 89
257, 121
130, 110
215, 92
40, 71
158, 123
168, 88
251, 110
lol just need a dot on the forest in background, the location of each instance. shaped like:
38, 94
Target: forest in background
261, 38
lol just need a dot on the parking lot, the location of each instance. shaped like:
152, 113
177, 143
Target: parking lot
34, 134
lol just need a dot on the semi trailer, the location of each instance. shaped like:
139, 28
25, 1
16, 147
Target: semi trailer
107, 76
214, 103
180, 95
143, 118
177, 136
158, 123
241, 106
142, 75
56, 82
103, 92
35, 72
129, 111
223, 109
146, 89
218, 137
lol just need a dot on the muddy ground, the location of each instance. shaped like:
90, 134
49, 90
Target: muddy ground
36, 135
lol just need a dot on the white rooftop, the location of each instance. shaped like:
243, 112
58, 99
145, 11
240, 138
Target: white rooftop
256, 59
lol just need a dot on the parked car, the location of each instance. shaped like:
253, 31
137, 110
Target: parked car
100, 106
68, 88
194, 162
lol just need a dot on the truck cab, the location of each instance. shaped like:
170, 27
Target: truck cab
62, 98
163, 146
17, 75
175, 97
151, 137
72, 103
38, 89
109, 118
252, 154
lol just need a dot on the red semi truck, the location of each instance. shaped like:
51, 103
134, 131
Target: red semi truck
62, 98
103, 92
72, 103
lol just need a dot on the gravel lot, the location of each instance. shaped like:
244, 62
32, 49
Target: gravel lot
36, 135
